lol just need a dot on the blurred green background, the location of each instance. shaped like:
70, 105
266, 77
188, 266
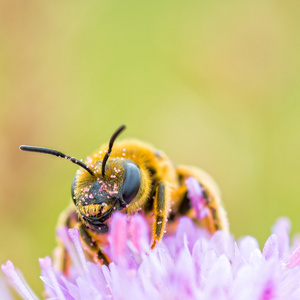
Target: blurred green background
212, 83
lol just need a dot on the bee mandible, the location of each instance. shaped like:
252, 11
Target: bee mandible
133, 177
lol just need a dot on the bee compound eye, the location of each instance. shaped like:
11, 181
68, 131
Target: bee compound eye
131, 182
73, 189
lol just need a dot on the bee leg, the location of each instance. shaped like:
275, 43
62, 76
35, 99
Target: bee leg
160, 214
92, 248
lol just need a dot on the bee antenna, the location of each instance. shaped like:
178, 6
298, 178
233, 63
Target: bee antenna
111, 142
58, 154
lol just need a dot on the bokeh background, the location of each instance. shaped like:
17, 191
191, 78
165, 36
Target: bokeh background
213, 83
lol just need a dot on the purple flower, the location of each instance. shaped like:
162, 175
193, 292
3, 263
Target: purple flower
187, 265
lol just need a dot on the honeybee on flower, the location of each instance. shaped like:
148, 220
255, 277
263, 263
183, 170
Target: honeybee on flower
133, 177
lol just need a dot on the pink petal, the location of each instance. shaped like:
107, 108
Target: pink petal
184, 276
246, 246
186, 228
282, 229
139, 233
196, 196
223, 243
46, 265
63, 236
75, 237
294, 259
271, 247
219, 279
268, 280
21, 285
118, 238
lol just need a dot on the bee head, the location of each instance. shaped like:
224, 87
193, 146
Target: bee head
97, 197
111, 185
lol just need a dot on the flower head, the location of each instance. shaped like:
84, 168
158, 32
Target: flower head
188, 265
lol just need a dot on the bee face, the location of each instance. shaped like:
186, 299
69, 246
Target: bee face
97, 197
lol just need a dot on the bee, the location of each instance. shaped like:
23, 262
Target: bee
133, 177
